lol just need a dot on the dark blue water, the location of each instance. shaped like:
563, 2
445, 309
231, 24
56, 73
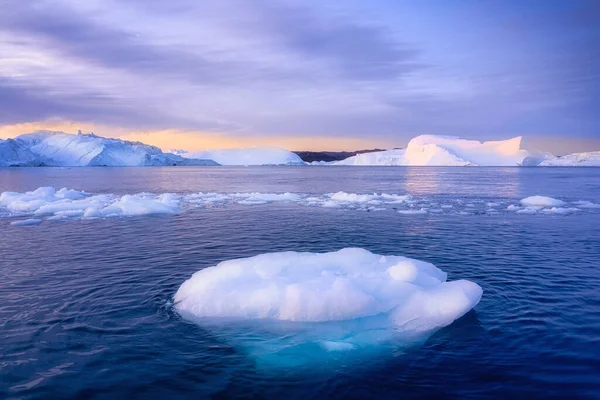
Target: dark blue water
85, 305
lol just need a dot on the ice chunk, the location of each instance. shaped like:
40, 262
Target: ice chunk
27, 222
370, 198
135, 205
263, 198
46, 201
339, 301
542, 201
560, 210
528, 210
586, 204
421, 211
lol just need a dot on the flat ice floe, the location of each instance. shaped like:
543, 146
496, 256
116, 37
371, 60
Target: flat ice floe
318, 303
51, 204
541, 201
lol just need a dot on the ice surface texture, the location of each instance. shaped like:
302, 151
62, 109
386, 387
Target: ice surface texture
589, 159
431, 150
247, 156
47, 148
308, 287
338, 301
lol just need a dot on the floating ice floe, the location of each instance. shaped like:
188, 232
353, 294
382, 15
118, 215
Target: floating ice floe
51, 204
541, 201
313, 304
586, 204
420, 211
27, 222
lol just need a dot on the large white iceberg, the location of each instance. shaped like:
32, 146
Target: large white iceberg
431, 150
67, 150
338, 301
589, 159
246, 156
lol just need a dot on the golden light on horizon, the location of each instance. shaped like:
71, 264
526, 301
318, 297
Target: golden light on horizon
168, 139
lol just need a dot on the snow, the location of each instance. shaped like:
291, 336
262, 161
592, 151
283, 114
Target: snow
340, 301
247, 156
432, 150
541, 201
589, 159
48, 148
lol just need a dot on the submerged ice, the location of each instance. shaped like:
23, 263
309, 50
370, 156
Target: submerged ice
338, 301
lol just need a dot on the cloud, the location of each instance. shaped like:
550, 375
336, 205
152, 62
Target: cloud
287, 67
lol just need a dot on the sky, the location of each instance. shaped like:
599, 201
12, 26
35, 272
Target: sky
305, 75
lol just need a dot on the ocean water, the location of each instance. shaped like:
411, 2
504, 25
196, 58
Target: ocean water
86, 305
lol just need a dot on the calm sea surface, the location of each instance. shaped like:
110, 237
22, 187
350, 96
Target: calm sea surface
86, 305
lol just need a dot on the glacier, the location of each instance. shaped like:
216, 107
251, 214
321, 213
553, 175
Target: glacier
315, 304
258, 155
432, 150
50, 148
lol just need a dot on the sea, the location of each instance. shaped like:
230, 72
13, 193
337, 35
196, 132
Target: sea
87, 311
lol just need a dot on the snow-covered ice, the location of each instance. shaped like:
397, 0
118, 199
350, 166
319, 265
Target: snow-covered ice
586, 204
589, 159
49, 148
542, 201
47, 201
246, 156
560, 210
52, 204
432, 150
420, 211
338, 301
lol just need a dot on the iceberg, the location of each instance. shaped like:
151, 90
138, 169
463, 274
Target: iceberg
386, 157
341, 301
588, 159
49, 148
246, 156
432, 150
